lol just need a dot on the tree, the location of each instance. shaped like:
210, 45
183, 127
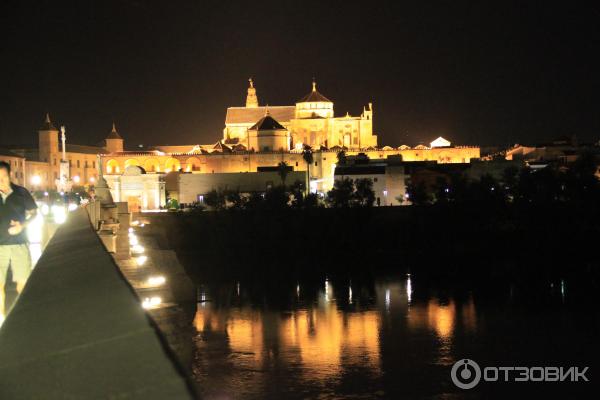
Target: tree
312, 200
441, 190
298, 193
510, 181
236, 200
417, 193
276, 198
215, 199
341, 158
283, 170
341, 195
307, 155
173, 204
364, 195
485, 191
255, 201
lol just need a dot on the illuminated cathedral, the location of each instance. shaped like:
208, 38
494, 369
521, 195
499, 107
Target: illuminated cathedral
311, 121
257, 139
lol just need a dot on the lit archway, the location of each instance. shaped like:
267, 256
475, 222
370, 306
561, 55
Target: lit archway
192, 164
172, 164
132, 162
112, 167
152, 165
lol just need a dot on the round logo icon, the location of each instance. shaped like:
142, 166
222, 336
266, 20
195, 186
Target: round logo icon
465, 374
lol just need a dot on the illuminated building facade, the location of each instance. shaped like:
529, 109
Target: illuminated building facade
40, 167
259, 136
311, 121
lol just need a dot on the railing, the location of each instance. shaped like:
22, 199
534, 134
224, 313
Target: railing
78, 330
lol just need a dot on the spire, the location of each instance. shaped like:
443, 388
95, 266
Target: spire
113, 133
251, 99
47, 126
314, 85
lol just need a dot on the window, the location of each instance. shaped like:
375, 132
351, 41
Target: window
86, 163
316, 163
94, 164
296, 163
374, 179
69, 163
78, 165
55, 161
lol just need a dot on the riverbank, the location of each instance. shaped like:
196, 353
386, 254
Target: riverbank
440, 242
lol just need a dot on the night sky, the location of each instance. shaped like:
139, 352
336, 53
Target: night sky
165, 71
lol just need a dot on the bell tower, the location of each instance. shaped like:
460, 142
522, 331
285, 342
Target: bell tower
47, 141
114, 141
251, 99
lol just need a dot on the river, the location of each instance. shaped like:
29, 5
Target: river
384, 337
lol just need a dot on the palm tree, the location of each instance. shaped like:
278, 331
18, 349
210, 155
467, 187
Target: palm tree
307, 155
283, 170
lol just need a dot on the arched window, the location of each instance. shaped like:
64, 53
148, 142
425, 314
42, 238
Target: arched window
112, 167
192, 164
152, 165
132, 162
172, 164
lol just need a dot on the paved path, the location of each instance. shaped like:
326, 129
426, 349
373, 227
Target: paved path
78, 330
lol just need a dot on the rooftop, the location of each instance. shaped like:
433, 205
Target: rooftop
244, 115
314, 96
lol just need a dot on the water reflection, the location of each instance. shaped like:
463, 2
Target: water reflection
317, 345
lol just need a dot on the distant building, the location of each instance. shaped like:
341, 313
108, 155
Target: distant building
42, 164
189, 188
255, 137
387, 175
564, 150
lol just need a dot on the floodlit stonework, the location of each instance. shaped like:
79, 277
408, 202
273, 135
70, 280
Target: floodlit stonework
39, 168
310, 121
257, 136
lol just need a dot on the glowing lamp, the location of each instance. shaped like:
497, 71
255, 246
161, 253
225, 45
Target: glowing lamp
36, 180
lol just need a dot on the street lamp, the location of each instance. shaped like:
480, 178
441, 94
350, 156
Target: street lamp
36, 180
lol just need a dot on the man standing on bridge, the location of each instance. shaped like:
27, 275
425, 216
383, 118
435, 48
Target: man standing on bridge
17, 210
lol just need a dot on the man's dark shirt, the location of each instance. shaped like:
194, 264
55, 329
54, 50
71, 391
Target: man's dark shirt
14, 208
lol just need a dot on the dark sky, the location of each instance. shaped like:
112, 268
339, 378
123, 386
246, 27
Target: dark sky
167, 70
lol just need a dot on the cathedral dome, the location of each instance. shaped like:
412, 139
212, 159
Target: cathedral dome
268, 135
314, 105
314, 96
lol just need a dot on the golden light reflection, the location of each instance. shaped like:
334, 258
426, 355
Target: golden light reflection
323, 340
441, 318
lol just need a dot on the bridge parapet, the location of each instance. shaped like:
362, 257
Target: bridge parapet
78, 330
